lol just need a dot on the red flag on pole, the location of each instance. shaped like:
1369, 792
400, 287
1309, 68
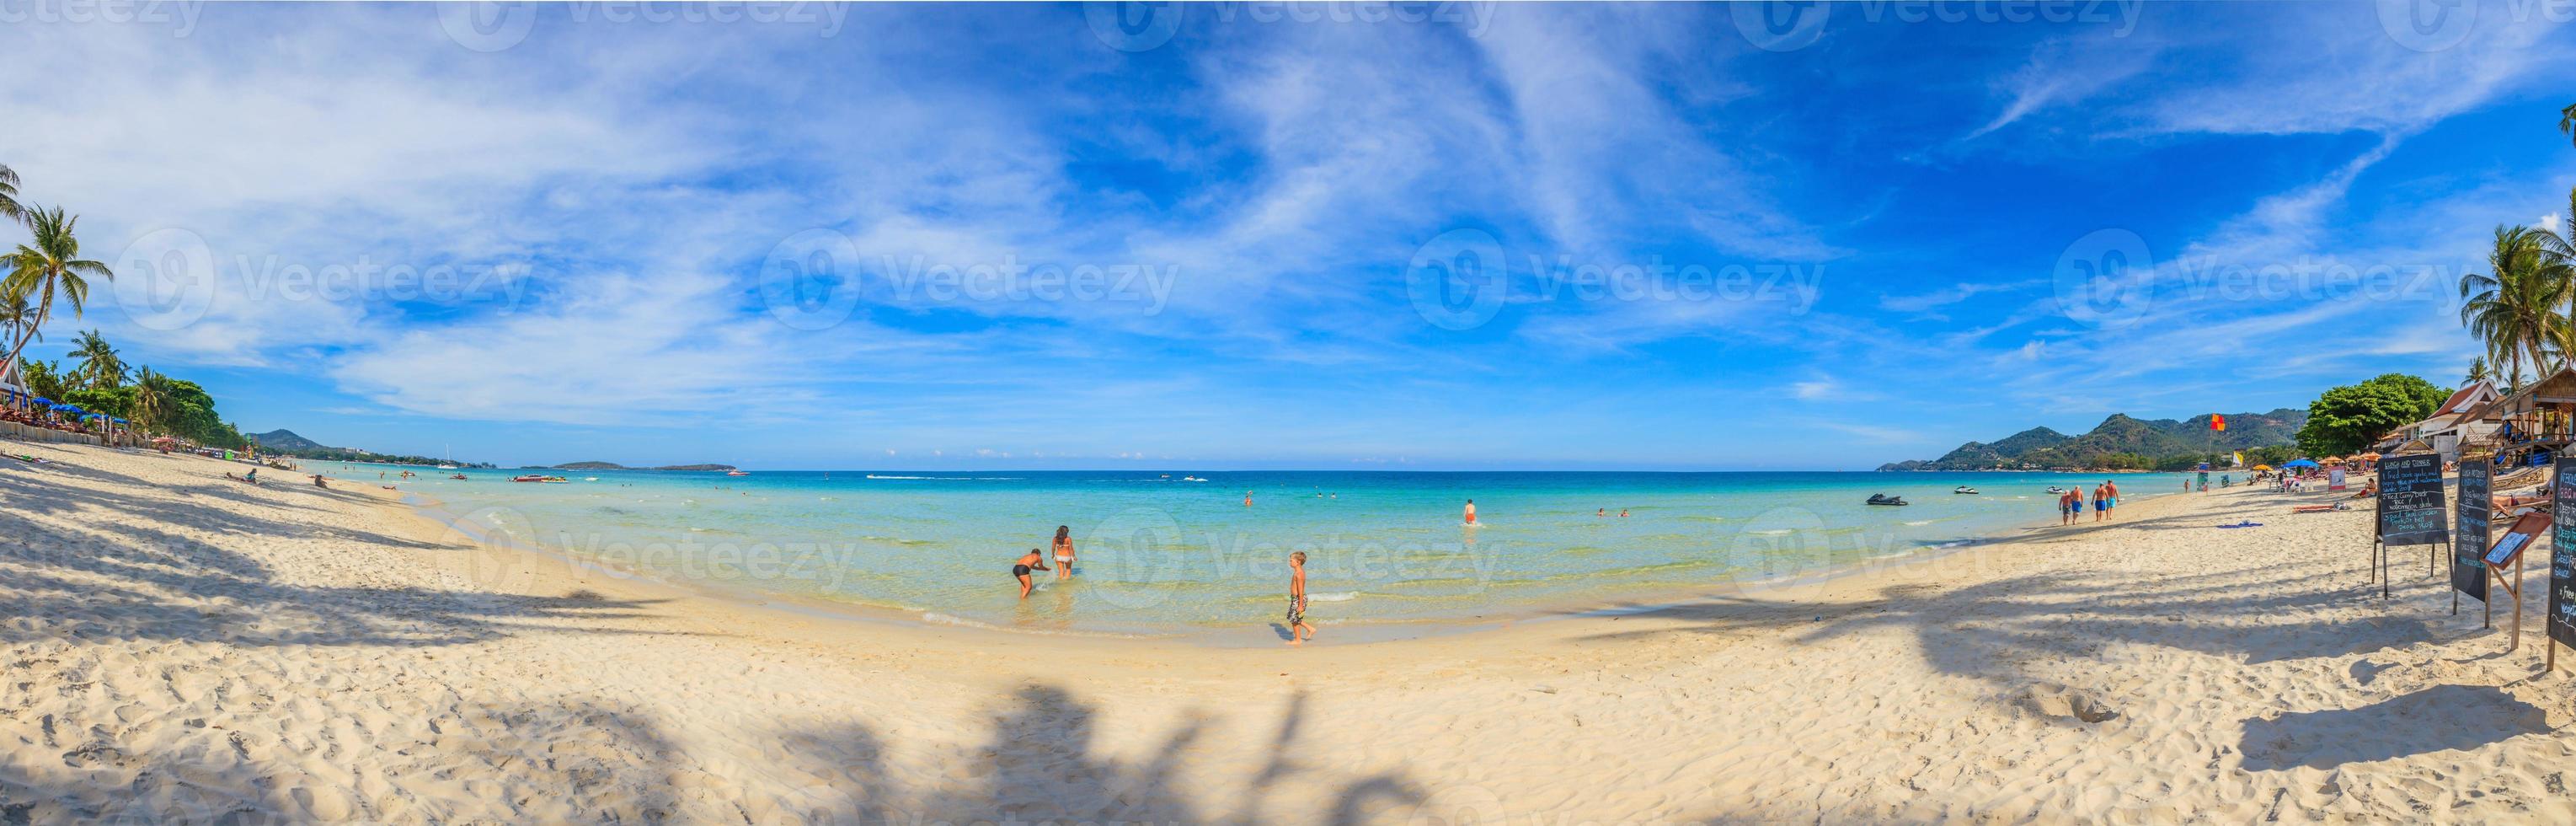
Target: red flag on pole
2217, 422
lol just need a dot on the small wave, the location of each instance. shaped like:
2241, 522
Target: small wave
1921, 522
1776, 532
954, 478
1334, 596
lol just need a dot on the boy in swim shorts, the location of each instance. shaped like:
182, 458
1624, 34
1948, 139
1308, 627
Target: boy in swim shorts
1298, 630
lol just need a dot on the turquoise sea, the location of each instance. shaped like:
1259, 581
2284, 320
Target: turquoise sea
1159, 553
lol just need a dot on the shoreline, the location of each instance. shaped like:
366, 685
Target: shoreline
1611, 602
193, 649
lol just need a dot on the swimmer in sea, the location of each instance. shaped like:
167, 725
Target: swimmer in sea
1063, 552
1028, 562
1471, 511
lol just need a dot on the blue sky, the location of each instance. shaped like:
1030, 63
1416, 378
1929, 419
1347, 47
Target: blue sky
1031, 236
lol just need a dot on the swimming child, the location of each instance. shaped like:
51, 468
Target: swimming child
1471, 511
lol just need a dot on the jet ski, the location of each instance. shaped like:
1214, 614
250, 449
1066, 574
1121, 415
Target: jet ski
1884, 499
1964, 489
2056, 489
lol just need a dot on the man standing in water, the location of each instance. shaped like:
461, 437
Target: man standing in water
1471, 511
1298, 630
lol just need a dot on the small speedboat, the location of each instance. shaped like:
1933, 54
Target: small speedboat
457, 476
737, 473
1964, 489
2056, 489
532, 477
1884, 499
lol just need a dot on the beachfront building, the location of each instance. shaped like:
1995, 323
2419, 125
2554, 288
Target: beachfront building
2535, 421
2467, 417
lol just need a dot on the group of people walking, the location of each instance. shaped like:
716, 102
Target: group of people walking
2070, 505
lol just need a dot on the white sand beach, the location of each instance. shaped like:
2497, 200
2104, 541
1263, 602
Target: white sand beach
179, 647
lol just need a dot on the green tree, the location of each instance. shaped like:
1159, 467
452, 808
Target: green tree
152, 400
2517, 311
100, 368
2478, 371
2346, 419
48, 265
45, 378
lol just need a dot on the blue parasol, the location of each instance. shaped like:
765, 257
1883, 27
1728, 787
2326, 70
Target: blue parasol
2298, 463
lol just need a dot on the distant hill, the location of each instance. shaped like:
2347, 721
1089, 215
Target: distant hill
616, 466
284, 442
2120, 440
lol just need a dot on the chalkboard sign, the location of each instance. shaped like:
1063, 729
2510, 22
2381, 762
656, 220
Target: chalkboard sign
2410, 501
2562, 552
2468, 551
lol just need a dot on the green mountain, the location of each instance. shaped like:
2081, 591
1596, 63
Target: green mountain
284, 442
2120, 441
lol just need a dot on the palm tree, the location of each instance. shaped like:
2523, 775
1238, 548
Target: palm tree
49, 264
9, 207
100, 368
2478, 371
17, 316
2567, 121
152, 398
2517, 310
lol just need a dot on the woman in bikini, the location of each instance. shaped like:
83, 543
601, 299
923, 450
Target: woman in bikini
1063, 552
1028, 562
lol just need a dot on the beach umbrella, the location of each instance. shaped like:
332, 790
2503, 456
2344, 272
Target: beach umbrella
2298, 463
2262, 467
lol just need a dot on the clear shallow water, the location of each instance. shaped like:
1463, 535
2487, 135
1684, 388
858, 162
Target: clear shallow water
1160, 554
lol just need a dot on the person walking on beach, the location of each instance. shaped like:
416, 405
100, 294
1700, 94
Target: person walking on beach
2111, 497
2101, 502
1063, 553
1028, 561
1298, 630
1471, 511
